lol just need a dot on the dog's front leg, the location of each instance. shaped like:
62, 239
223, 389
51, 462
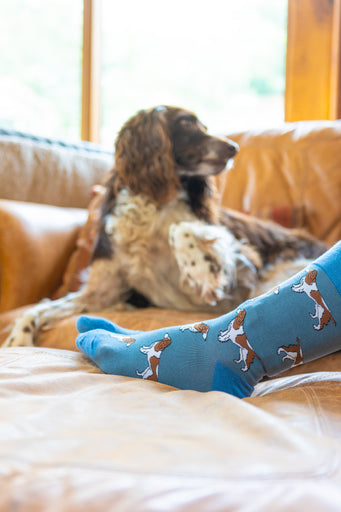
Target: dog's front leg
210, 263
104, 288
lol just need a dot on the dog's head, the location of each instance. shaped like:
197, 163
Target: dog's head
159, 148
239, 319
195, 152
310, 278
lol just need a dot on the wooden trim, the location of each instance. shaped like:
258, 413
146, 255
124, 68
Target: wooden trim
91, 71
313, 63
309, 59
335, 85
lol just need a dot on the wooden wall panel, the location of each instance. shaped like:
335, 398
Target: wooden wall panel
308, 66
335, 86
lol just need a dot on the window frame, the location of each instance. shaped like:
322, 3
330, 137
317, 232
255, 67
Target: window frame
91, 71
313, 63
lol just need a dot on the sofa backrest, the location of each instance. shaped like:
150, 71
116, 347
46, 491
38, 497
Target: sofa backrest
291, 175
48, 171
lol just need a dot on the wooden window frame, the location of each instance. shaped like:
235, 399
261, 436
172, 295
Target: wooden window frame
313, 63
91, 71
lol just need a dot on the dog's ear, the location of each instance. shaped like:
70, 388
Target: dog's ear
144, 157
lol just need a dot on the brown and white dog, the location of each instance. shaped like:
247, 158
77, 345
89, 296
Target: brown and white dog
199, 327
292, 352
153, 353
308, 286
162, 234
235, 332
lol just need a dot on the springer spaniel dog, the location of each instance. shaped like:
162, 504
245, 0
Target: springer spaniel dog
162, 234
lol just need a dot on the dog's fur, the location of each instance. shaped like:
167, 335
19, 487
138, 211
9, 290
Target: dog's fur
163, 234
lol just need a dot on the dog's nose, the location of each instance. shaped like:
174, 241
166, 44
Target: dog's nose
232, 148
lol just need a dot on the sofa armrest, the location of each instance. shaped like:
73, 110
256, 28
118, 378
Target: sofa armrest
36, 242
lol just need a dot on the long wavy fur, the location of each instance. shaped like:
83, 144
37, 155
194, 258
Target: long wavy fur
143, 157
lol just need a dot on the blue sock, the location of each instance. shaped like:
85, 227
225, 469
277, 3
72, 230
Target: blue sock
298, 321
88, 323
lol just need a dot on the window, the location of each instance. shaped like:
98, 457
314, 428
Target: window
40, 66
223, 59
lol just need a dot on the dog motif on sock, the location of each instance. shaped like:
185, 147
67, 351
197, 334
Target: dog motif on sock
235, 333
292, 352
308, 286
198, 327
153, 352
126, 339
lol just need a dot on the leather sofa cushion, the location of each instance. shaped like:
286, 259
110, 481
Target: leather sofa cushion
292, 175
75, 439
36, 243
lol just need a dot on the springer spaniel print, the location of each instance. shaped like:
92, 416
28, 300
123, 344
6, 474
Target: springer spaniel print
199, 327
153, 353
128, 340
308, 286
292, 352
235, 333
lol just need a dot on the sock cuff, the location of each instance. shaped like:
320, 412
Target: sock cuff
330, 263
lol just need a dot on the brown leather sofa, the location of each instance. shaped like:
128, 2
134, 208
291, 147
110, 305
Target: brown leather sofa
75, 439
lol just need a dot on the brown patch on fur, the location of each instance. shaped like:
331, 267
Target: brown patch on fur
144, 157
202, 198
271, 240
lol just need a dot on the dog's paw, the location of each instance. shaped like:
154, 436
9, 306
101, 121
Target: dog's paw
23, 332
206, 257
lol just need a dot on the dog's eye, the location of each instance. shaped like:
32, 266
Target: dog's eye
187, 122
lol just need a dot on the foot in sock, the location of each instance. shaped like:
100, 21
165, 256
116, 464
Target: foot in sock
298, 321
89, 323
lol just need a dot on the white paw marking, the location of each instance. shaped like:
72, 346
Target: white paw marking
206, 256
23, 332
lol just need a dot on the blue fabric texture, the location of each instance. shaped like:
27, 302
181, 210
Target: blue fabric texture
87, 323
224, 379
298, 321
327, 263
